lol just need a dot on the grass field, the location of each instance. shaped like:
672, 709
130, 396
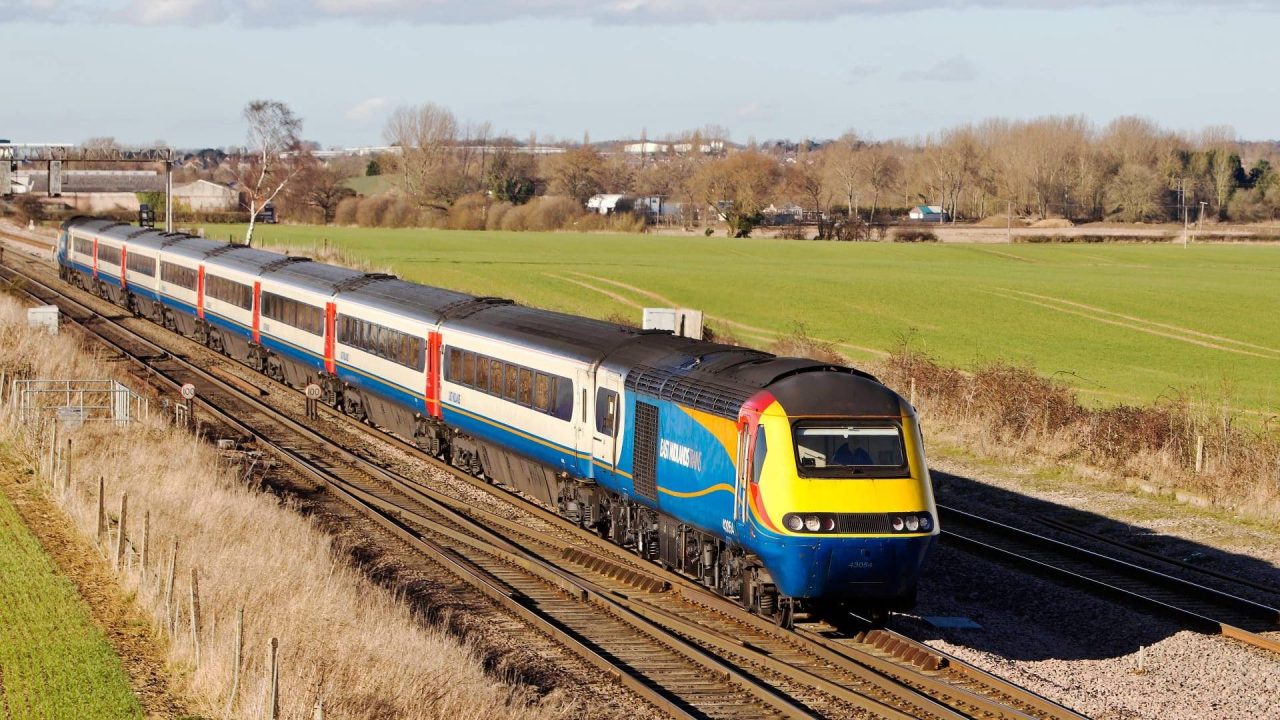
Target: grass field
1123, 323
54, 662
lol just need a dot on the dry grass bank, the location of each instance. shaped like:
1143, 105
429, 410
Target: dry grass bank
342, 638
1009, 412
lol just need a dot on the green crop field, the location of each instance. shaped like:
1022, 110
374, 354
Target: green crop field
54, 662
1121, 322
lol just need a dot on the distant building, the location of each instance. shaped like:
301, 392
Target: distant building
205, 196
929, 213
608, 204
93, 191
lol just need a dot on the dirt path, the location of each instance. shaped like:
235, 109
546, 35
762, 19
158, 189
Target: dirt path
1144, 321
1049, 304
752, 331
126, 628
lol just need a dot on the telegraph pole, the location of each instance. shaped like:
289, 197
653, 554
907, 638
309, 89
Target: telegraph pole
1200, 220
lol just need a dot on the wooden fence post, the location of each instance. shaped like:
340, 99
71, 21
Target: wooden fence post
168, 588
66, 468
146, 546
120, 538
235, 670
102, 513
53, 449
273, 699
913, 392
195, 614
1199, 453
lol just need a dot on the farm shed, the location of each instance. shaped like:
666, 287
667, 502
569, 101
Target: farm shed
929, 213
203, 195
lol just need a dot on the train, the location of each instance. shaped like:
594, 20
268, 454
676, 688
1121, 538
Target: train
791, 485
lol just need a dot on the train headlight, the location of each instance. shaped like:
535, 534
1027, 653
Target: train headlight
913, 523
828, 523
794, 523
812, 523
896, 523
925, 523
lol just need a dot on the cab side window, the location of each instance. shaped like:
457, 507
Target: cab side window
757, 456
606, 411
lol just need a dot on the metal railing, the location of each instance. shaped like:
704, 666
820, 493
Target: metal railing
73, 402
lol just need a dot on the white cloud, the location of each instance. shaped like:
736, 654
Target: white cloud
301, 12
365, 110
955, 69
173, 12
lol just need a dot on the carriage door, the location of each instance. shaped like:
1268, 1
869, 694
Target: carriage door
744, 471
607, 424
583, 423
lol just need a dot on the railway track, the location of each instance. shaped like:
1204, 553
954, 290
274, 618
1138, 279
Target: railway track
675, 643
1198, 606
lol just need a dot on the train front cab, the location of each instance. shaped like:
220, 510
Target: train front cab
834, 491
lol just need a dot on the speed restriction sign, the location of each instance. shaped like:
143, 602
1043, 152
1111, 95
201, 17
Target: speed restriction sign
188, 391
313, 391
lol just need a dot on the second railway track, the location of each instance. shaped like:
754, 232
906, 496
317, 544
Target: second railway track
683, 648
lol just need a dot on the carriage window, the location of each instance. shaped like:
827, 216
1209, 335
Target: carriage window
307, 318
564, 398
227, 291
183, 277
108, 254
606, 411
526, 387
542, 392
513, 383
847, 449
84, 246
482, 375
468, 368
141, 264
455, 365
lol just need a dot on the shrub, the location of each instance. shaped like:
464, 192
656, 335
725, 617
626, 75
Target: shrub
913, 235
346, 212
800, 344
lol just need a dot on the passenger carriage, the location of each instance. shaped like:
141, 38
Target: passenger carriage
296, 315
387, 346
785, 482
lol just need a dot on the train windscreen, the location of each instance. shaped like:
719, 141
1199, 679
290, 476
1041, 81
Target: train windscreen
849, 449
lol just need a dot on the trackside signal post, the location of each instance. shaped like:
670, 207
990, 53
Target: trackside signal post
54, 155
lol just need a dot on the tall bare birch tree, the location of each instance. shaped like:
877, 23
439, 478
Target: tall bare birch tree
274, 144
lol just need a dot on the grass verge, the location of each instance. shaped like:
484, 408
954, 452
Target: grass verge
342, 638
54, 662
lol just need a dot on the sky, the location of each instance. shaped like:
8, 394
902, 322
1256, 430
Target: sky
181, 71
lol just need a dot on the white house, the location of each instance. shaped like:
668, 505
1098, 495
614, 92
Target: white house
929, 213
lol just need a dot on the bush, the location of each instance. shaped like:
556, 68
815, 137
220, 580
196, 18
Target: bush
468, 213
913, 235
800, 344
346, 212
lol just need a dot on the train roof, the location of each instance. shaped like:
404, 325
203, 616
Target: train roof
192, 247
420, 302
570, 336
717, 378
313, 276
247, 259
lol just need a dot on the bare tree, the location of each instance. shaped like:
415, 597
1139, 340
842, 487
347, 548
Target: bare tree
319, 186
577, 173
807, 179
274, 144
739, 187
434, 166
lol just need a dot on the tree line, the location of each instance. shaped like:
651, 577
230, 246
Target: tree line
451, 173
